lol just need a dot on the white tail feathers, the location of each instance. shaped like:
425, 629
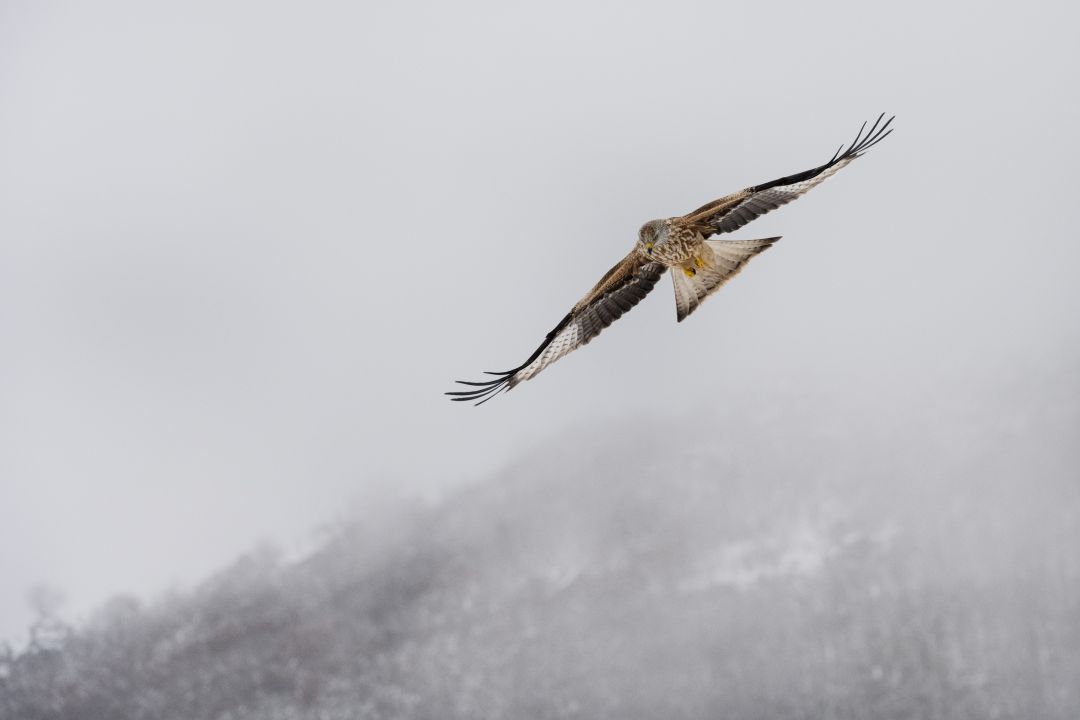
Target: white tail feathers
719, 261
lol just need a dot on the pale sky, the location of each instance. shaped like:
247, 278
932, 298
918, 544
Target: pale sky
244, 247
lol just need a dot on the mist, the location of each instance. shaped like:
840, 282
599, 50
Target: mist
245, 248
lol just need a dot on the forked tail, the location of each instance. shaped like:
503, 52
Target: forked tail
704, 274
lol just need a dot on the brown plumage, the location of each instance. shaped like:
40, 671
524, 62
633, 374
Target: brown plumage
699, 266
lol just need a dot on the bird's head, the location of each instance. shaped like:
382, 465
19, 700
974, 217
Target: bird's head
651, 234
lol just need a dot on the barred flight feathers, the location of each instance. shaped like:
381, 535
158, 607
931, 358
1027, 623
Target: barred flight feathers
733, 211
699, 266
720, 260
620, 289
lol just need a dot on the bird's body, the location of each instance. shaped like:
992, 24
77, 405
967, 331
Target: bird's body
675, 243
699, 265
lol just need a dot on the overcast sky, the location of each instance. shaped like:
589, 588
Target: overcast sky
244, 247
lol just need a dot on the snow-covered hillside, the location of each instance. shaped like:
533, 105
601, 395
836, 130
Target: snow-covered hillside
747, 571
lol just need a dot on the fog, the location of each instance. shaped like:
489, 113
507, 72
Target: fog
753, 569
244, 248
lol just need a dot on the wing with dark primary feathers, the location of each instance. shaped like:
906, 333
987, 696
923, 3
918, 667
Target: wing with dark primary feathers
732, 212
621, 288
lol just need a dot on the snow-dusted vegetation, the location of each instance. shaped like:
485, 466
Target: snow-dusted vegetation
722, 579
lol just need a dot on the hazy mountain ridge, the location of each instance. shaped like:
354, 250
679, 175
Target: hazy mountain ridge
585, 581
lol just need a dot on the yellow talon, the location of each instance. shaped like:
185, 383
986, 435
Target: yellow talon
699, 262
690, 272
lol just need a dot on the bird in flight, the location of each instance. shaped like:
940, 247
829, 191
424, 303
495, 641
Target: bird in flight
699, 266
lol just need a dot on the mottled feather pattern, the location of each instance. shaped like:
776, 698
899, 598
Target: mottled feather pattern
699, 266
681, 243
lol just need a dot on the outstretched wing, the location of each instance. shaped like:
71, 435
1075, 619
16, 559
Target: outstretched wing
732, 212
621, 288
